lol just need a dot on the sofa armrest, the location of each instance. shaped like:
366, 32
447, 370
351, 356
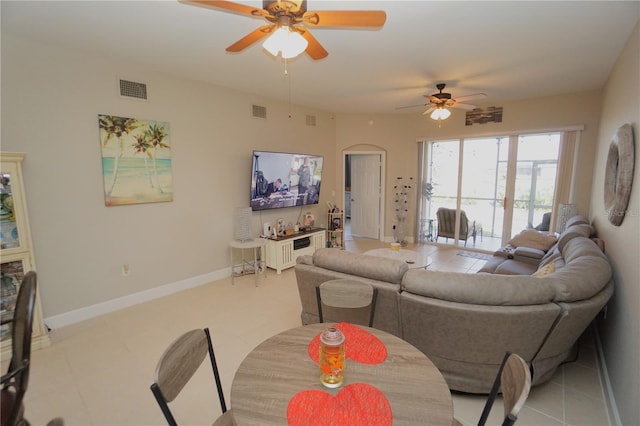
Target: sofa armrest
306, 259
529, 253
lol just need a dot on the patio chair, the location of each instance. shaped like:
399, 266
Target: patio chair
447, 225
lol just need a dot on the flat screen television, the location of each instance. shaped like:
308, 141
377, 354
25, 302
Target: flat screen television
284, 179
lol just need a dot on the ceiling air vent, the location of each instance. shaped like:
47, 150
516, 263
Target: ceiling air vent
131, 89
259, 111
311, 120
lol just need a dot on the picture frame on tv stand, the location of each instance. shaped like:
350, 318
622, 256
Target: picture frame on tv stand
285, 179
309, 221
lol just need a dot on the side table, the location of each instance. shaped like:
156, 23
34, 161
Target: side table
255, 265
427, 229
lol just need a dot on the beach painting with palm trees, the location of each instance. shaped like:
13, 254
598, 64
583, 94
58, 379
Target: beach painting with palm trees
136, 160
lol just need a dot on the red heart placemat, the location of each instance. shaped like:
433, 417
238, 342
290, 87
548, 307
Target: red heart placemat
356, 404
360, 345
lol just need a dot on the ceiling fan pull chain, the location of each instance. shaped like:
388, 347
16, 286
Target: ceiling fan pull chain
286, 75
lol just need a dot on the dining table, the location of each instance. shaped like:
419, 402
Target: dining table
386, 381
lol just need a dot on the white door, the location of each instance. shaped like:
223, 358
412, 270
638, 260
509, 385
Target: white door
365, 195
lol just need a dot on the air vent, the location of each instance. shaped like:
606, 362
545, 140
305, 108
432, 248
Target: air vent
131, 89
311, 120
259, 111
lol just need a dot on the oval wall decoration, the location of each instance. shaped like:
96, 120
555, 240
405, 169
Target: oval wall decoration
618, 175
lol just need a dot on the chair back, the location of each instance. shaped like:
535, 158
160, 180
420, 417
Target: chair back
178, 364
447, 223
514, 378
15, 382
545, 224
346, 300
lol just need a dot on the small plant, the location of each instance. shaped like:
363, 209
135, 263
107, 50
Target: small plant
428, 191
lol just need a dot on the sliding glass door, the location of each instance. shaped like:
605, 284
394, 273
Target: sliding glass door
484, 177
502, 184
535, 180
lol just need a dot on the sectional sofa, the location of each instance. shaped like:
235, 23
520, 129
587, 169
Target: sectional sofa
465, 322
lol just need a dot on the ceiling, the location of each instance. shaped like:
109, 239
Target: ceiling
508, 50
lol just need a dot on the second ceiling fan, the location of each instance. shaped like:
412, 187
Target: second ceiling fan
288, 19
439, 102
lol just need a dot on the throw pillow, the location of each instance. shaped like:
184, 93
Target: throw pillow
533, 239
545, 270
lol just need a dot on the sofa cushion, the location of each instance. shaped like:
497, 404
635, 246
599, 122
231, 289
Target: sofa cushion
516, 267
581, 230
577, 220
373, 267
490, 266
478, 289
533, 239
553, 250
585, 273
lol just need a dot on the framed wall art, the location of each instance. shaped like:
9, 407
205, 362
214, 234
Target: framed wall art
136, 160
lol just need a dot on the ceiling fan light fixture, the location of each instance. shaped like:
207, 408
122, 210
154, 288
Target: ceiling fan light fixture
440, 113
289, 43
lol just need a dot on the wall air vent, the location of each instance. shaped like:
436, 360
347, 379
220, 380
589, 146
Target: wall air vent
131, 89
311, 120
258, 111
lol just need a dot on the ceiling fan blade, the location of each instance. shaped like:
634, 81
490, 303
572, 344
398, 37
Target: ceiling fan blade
434, 99
471, 97
345, 18
463, 106
228, 6
251, 38
314, 49
411, 106
429, 111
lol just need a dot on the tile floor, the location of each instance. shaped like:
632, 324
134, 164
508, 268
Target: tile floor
98, 372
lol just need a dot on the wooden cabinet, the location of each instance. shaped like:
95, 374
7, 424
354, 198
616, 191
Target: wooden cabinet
335, 233
17, 252
282, 252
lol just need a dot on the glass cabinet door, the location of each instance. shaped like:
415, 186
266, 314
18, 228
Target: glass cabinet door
12, 273
10, 232
16, 252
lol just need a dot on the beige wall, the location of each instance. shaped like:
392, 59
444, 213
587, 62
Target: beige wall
620, 328
397, 135
50, 101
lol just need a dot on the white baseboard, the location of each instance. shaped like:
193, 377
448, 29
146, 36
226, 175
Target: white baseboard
609, 399
98, 309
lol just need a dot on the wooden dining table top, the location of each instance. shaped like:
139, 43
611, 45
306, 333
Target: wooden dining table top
281, 367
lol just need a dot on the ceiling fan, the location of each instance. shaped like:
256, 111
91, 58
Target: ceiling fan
439, 102
292, 17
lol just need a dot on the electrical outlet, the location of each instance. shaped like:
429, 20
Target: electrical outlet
125, 270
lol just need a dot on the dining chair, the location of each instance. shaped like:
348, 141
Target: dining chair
176, 367
346, 300
514, 379
15, 381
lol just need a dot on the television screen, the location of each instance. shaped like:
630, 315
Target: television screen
281, 179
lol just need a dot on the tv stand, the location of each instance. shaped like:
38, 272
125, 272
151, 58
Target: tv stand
282, 252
